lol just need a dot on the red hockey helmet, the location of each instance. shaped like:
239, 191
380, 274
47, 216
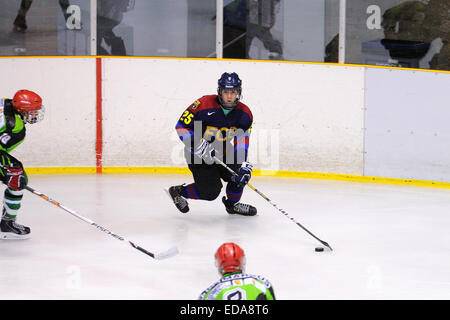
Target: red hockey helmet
29, 104
230, 258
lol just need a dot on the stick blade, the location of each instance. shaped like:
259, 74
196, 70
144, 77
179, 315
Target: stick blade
327, 245
166, 254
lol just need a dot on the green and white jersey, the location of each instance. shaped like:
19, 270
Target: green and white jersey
12, 127
12, 133
239, 286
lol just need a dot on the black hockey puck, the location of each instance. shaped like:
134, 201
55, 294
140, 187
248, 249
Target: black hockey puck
319, 249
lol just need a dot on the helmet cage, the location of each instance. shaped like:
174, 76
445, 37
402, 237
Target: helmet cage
33, 116
29, 105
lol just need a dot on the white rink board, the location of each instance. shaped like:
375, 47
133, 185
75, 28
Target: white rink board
66, 136
307, 117
407, 121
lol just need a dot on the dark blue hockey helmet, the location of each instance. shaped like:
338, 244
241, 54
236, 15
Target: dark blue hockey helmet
229, 81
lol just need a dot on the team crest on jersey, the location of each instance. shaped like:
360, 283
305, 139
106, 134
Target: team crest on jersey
195, 104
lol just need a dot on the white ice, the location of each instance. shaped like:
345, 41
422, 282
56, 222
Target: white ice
389, 241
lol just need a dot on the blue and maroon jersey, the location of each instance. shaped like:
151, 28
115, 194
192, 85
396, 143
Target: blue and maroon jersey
229, 133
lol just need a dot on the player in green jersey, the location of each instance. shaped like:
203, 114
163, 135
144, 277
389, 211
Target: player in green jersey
25, 107
235, 284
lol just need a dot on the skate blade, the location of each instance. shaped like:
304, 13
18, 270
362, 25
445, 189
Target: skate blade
168, 194
170, 197
12, 236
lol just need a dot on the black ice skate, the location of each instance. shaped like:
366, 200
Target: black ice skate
9, 229
179, 201
239, 208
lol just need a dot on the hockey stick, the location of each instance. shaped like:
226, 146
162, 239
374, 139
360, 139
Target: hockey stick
273, 204
158, 256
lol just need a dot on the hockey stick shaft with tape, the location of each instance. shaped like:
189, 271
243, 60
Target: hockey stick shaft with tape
159, 256
217, 160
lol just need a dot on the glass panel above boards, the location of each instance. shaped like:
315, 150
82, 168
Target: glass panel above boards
398, 33
411, 34
45, 27
297, 30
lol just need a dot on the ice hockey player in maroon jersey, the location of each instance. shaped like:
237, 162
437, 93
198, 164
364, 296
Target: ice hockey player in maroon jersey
216, 126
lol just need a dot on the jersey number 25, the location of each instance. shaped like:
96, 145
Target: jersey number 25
187, 117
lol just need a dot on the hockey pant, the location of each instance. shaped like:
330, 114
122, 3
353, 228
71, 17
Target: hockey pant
208, 185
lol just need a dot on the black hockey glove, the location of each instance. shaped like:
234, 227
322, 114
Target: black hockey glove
205, 151
243, 175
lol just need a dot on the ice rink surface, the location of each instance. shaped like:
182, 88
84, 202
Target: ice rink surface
389, 241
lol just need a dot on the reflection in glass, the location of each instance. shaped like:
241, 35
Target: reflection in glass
250, 29
235, 29
331, 31
44, 27
398, 33
20, 22
170, 28
280, 30
74, 30
109, 15
201, 29
264, 30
